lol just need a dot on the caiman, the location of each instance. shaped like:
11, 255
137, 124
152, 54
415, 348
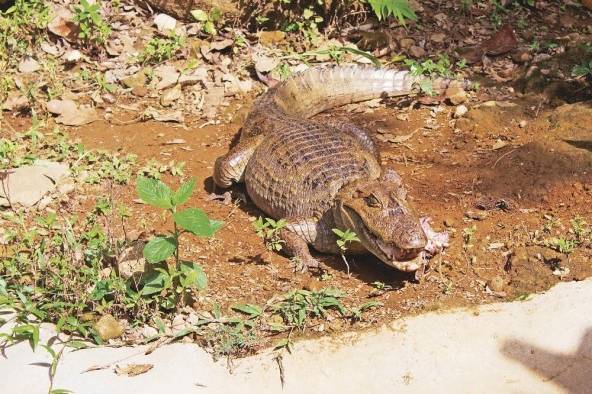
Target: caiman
322, 175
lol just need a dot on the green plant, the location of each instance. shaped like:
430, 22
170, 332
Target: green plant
562, 245
465, 5
208, 19
468, 234
157, 50
171, 281
399, 9
297, 306
269, 230
356, 313
93, 28
345, 237
22, 27
583, 69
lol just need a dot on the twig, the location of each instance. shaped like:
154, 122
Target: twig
502, 156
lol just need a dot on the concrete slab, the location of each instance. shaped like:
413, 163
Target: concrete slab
543, 345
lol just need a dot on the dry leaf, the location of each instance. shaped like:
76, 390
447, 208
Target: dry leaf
133, 369
265, 64
28, 65
62, 24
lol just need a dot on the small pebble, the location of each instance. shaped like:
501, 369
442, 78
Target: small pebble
522, 124
496, 284
460, 111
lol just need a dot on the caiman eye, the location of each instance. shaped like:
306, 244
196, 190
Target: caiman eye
372, 201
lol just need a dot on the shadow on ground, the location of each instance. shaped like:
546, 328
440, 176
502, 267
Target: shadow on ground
571, 372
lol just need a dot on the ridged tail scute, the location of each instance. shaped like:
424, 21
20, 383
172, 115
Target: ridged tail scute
318, 89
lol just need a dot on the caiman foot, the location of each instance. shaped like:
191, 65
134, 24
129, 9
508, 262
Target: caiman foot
296, 247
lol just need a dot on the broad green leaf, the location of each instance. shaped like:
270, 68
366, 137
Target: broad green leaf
159, 249
196, 222
192, 275
199, 15
155, 283
184, 192
209, 28
249, 309
154, 192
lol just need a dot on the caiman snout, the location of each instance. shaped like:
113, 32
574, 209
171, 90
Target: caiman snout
412, 235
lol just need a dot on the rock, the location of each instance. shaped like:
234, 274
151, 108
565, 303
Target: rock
26, 186
269, 38
165, 23
58, 107
406, 43
15, 102
72, 56
171, 95
168, 76
70, 114
522, 124
140, 91
456, 95
212, 101
135, 80
265, 64
148, 332
28, 65
496, 284
460, 111
417, 52
476, 215
131, 262
108, 327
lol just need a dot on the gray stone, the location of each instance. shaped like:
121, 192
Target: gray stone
25, 186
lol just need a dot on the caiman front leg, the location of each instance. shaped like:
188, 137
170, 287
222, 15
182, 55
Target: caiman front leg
295, 246
230, 168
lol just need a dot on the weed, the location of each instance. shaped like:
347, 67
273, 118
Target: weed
356, 313
399, 9
344, 237
21, 27
269, 230
465, 5
582, 70
154, 169
469, 233
297, 306
157, 50
93, 28
171, 281
208, 19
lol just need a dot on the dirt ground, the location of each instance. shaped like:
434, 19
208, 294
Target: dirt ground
456, 173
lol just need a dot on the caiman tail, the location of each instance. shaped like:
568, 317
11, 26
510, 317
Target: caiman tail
320, 89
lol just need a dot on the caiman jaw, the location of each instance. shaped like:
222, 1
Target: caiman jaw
407, 260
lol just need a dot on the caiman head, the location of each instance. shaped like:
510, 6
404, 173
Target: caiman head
377, 212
